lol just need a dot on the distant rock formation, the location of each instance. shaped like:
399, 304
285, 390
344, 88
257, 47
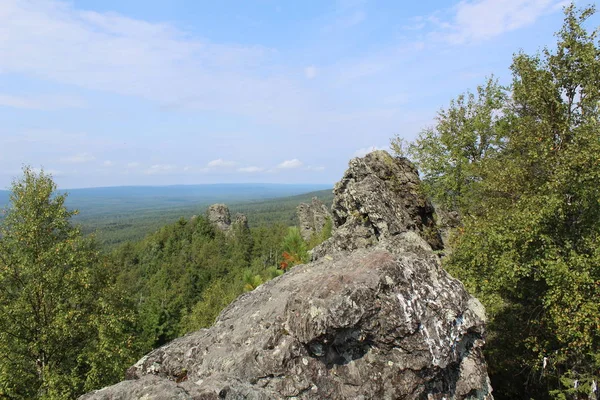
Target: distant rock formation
312, 217
220, 217
375, 317
240, 220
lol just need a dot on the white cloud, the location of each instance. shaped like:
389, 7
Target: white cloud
41, 102
133, 164
479, 20
289, 164
160, 169
310, 72
108, 163
54, 41
78, 158
193, 169
366, 150
250, 169
316, 169
220, 163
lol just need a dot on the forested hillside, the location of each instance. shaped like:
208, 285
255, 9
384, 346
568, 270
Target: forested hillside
114, 227
520, 165
121, 214
73, 318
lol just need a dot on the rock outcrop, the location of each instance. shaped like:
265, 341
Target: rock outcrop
241, 221
374, 317
379, 202
220, 217
312, 217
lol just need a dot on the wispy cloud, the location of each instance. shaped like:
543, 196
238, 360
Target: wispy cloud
108, 163
78, 158
349, 13
310, 72
133, 164
289, 164
160, 169
220, 163
251, 169
54, 41
366, 150
41, 102
479, 20
315, 169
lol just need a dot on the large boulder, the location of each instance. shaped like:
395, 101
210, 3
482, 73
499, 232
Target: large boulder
312, 218
374, 317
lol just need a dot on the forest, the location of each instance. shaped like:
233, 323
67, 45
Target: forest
517, 164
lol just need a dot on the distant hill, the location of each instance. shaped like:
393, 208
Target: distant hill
119, 214
131, 198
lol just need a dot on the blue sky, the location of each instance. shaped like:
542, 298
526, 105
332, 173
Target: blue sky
105, 93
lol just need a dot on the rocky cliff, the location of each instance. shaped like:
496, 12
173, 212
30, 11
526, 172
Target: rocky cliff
374, 317
312, 218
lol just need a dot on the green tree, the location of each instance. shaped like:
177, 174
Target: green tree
450, 154
294, 249
529, 244
59, 330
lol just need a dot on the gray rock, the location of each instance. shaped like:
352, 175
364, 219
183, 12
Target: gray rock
375, 317
241, 221
312, 217
218, 215
378, 201
370, 325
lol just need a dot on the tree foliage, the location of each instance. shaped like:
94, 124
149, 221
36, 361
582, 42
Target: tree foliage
63, 329
530, 206
450, 155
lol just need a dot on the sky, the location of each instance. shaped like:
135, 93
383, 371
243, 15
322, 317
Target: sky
142, 92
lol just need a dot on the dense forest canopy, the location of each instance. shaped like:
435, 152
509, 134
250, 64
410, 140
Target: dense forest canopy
520, 164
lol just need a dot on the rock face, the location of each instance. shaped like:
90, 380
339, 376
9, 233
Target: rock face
375, 317
240, 220
219, 216
312, 217
379, 202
